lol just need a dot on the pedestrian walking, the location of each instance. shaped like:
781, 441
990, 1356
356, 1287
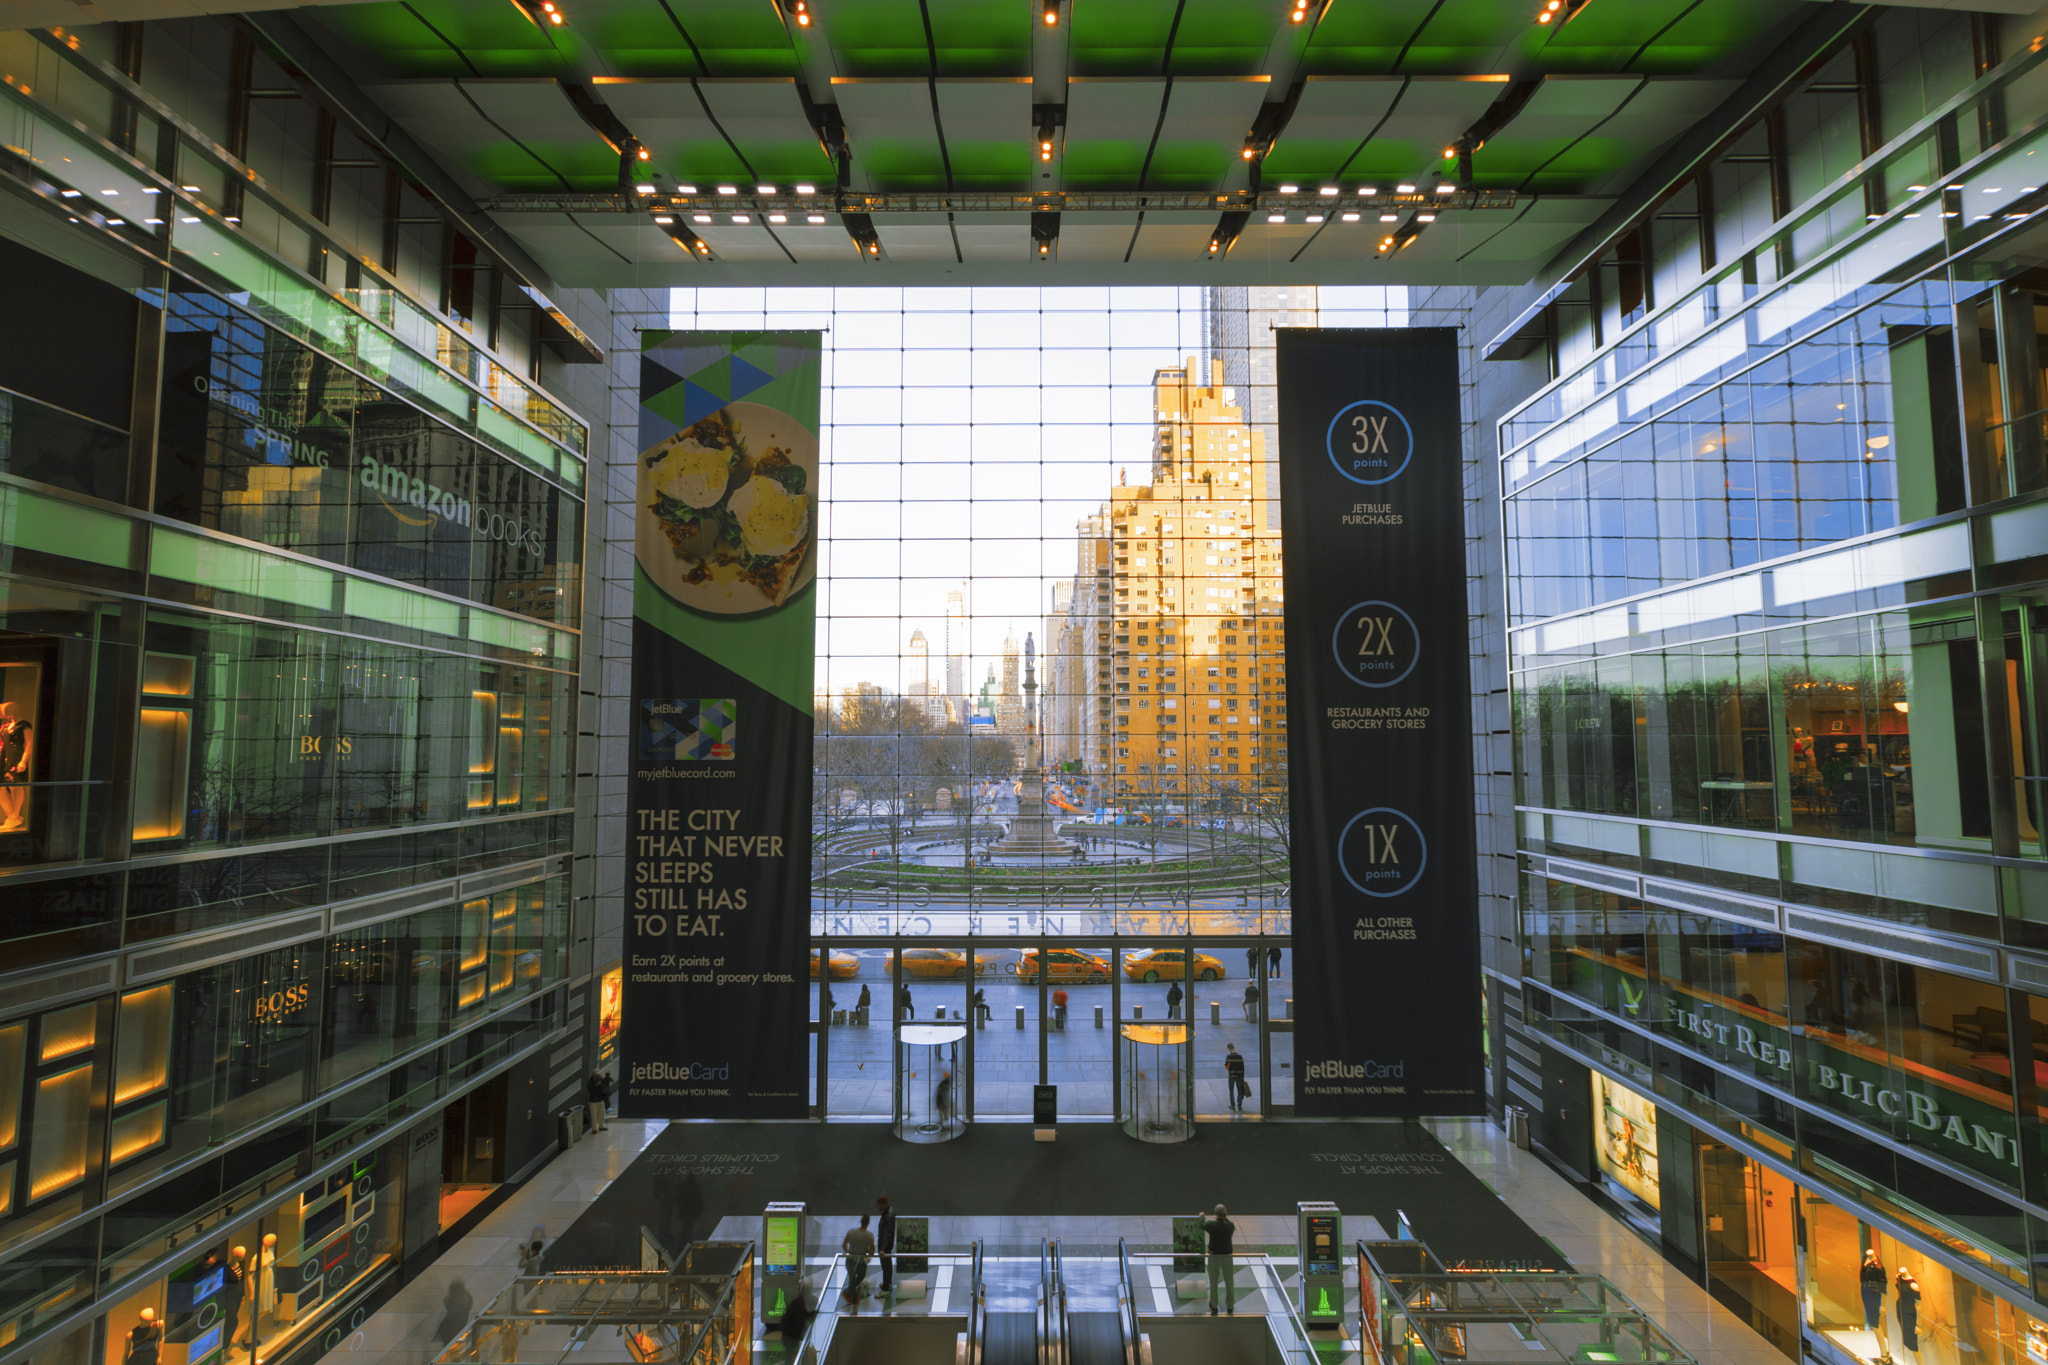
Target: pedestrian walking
456, 1310
1059, 1010
858, 1245
1251, 1001
1273, 957
863, 1003
1251, 963
942, 1099
885, 1241
1233, 1071
1174, 995
1221, 1264
596, 1094
905, 1006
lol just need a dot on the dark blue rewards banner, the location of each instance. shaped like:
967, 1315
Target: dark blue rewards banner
1379, 724
718, 805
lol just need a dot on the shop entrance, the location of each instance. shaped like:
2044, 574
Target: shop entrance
471, 1165
1752, 1252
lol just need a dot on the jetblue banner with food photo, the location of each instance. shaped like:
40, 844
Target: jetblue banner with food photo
718, 802
1379, 711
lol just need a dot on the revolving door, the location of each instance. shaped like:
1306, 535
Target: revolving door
1158, 1082
928, 1082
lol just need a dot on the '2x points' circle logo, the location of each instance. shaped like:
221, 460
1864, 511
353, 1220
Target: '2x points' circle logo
1376, 644
1370, 442
1382, 852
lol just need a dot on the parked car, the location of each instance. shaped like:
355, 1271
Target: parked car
843, 966
1165, 964
944, 962
1063, 965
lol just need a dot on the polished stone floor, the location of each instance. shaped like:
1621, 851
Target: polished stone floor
402, 1332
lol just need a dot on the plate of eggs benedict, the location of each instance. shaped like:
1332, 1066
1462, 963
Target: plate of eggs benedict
725, 510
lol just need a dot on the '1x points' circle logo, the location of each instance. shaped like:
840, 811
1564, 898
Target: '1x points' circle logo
1370, 442
1382, 852
1376, 644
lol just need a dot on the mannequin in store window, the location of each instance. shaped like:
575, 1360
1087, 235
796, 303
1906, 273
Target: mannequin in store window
1909, 1310
235, 1293
266, 1277
1871, 1280
17, 752
145, 1340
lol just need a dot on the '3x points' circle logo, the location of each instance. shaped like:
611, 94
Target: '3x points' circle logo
1370, 442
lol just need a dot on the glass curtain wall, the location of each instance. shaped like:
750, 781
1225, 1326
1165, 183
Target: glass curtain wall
1050, 698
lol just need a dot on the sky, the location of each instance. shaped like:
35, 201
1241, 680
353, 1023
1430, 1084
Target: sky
966, 432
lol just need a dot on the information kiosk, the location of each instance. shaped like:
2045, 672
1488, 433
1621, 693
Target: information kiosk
1320, 1235
782, 1259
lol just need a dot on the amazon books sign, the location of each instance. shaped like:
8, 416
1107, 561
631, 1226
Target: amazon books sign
714, 1014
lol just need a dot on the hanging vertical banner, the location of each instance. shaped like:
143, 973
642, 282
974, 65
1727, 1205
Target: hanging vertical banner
718, 803
1386, 926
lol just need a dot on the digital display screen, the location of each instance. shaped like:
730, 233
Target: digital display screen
207, 1343
334, 1253
1321, 1251
781, 1257
323, 1221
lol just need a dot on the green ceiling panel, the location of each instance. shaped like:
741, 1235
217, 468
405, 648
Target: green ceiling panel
1186, 166
990, 165
1119, 38
982, 37
1101, 163
590, 167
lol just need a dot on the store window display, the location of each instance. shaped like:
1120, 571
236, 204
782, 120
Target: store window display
1625, 1150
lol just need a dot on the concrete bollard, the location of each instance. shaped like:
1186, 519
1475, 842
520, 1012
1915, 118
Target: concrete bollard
1137, 1011
1290, 1007
1215, 1011
1020, 1018
1098, 1016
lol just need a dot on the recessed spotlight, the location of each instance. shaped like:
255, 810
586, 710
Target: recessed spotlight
646, 155
814, 218
1350, 217
663, 219
778, 217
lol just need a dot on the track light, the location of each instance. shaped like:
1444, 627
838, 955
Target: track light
547, 8
801, 11
1300, 14
1051, 11
646, 155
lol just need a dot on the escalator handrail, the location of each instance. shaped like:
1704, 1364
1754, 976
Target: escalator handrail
1059, 1283
977, 1313
1127, 1293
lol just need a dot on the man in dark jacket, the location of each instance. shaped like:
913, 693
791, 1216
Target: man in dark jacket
596, 1094
885, 1242
1174, 996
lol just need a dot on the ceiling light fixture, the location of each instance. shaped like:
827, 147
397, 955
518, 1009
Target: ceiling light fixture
554, 15
1404, 188
806, 189
1315, 217
686, 189
778, 217
815, 218
1300, 11
1276, 217
728, 189
1249, 153
764, 189
1052, 12
1367, 191
663, 219
1328, 191
189, 189
1350, 217
802, 10
700, 217
1446, 189
1425, 218
1290, 189
646, 155
110, 191
741, 218
643, 189
1390, 217
67, 194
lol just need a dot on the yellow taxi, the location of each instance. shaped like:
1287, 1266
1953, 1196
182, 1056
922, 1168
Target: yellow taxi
1166, 964
843, 966
1063, 965
944, 962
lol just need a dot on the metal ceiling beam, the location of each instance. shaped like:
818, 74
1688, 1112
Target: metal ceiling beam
979, 201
